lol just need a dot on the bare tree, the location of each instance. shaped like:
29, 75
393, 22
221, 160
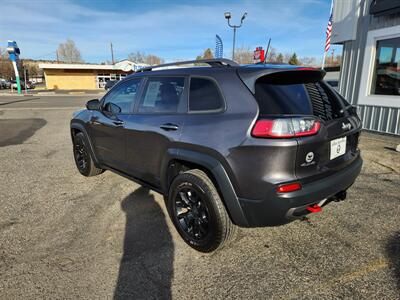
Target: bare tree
152, 59
333, 61
271, 55
6, 69
309, 61
137, 57
286, 57
141, 57
244, 55
68, 52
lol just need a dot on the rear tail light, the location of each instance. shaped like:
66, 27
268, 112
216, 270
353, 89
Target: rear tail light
286, 128
286, 188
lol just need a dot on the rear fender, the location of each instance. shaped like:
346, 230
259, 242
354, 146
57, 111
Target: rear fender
208, 162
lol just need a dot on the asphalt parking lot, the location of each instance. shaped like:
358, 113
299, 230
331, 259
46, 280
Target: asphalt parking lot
66, 236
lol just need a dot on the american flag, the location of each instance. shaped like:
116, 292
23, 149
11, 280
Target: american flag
328, 34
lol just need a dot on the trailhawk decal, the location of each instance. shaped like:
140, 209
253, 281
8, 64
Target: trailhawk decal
309, 160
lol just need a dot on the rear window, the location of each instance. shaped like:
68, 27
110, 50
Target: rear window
313, 98
274, 99
204, 95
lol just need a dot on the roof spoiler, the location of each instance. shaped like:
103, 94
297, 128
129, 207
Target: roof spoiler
250, 76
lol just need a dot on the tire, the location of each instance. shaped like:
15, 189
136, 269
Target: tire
198, 213
83, 159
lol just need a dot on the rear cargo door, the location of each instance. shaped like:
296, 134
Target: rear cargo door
335, 146
297, 94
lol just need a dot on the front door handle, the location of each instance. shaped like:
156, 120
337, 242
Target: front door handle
169, 126
96, 121
118, 122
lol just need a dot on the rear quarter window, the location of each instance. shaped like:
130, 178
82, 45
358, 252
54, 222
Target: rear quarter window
204, 95
275, 99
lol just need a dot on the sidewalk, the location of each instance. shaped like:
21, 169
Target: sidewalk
53, 92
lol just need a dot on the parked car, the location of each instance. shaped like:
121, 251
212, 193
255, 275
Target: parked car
4, 84
109, 84
226, 145
29, 84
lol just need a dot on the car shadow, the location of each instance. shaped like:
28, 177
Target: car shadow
146, 267
18, 100
17, 131
393, 253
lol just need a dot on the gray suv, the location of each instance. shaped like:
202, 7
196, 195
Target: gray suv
227, 145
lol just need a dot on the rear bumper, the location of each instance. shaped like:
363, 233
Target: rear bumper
276, 208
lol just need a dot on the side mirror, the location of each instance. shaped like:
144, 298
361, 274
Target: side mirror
93, 104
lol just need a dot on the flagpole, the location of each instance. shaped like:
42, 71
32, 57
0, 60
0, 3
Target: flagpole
324, 58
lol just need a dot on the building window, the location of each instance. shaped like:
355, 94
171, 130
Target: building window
386, 80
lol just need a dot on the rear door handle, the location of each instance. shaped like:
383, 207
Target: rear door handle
96, 121
118, 122
169, 126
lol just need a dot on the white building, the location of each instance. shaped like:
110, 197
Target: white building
369, 31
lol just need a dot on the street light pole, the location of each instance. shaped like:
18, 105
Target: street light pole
234, 41
228, 17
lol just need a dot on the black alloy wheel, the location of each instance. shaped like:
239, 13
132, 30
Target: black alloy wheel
83, 160
198, 213
81, 155
192, 213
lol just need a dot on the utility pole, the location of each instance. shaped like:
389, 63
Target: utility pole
25, 79
112, 53
57, 56
333, 56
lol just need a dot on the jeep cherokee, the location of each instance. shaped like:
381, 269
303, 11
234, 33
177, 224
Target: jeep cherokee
227, 145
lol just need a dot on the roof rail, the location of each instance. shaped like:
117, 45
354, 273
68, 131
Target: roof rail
215, 62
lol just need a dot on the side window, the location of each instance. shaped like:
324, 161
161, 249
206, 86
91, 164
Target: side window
162, 94
122, 97
204, 95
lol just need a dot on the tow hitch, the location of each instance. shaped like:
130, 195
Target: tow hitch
301, 212
314, 208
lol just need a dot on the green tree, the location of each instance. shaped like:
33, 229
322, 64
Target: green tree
207, 54
293, 60
279, 58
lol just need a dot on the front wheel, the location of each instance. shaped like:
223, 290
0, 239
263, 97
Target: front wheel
198, 213
83, 160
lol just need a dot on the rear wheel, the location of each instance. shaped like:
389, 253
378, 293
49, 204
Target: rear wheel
83, 160
198, 213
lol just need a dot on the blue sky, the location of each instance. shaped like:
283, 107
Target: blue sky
170, 29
